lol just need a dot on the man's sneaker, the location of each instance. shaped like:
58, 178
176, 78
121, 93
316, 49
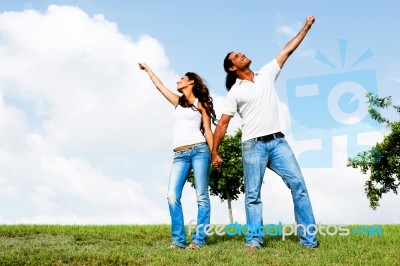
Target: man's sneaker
251, 248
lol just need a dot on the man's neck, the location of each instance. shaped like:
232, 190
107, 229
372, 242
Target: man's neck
246, 74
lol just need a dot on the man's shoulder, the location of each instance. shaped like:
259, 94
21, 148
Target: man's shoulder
271, 63
270, 67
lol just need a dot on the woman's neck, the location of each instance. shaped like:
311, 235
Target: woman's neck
189, 96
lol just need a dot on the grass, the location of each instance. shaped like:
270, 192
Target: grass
149, 245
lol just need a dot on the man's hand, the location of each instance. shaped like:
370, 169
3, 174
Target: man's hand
310, 20
216, 161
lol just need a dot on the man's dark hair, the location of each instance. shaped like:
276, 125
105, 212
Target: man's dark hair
230, 76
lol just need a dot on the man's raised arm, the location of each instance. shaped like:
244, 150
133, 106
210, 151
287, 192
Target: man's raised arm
295, 42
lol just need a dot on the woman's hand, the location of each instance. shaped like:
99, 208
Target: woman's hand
143, 66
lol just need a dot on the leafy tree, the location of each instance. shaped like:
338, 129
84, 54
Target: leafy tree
382, 161
227, 182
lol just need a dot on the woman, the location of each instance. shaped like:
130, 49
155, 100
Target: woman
194, 112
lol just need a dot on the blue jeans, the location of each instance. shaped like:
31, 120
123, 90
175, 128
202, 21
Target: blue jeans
277, 156
197, 158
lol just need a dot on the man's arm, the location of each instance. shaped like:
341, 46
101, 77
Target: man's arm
219, 134
295, 42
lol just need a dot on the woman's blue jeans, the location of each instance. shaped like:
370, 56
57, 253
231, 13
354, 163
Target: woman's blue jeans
197, 158
277, 156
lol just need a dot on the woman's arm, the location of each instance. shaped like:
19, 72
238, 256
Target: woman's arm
169, 95
206, 125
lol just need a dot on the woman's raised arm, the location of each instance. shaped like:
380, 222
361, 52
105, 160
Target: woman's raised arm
169, 95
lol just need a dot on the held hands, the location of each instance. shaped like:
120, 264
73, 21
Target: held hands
216, 161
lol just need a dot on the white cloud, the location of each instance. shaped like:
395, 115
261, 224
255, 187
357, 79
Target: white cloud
394, 79
287, 30
89, 103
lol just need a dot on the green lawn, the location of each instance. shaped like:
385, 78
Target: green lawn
149, 245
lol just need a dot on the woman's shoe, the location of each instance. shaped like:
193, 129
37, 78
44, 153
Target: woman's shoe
192, 245
175, 246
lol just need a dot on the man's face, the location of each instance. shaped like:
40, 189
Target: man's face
239, 61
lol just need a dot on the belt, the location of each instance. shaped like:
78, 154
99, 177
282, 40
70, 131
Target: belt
270, 137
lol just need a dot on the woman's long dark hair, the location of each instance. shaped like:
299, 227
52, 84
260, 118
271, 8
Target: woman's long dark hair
201, 92
230, 76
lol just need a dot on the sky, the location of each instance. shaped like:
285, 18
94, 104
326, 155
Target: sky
85, 138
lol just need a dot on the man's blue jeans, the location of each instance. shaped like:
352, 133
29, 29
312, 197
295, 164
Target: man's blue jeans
277, 156
197, 158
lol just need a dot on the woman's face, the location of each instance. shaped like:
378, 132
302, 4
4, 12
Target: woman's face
184, 82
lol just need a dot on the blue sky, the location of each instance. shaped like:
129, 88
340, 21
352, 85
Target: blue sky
85, 138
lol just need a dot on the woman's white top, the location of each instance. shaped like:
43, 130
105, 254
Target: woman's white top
187, 126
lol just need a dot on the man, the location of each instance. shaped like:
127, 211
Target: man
253, 96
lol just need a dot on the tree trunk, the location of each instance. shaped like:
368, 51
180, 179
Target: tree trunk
228, 197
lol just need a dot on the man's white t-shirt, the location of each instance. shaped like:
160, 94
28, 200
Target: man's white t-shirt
257, 103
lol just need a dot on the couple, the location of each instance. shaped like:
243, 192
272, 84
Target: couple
253, 96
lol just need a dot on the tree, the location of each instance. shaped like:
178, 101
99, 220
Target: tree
227, 182
382, 160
